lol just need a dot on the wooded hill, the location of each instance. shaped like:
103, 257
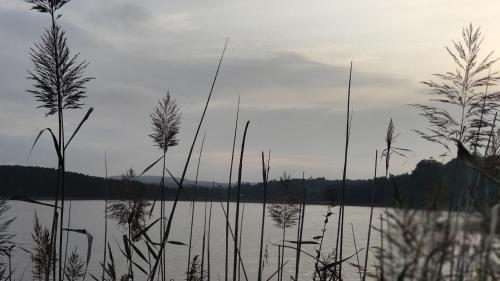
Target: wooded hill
431, 183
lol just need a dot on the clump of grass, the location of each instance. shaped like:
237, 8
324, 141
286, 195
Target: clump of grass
75, 267
5, 235
42, 251
194, 273
284, 215
130, 211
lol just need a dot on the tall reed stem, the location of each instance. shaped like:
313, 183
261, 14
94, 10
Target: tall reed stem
105, 217
371, 217
229, 191
193, 207
180, 185
344, 174
301, 228
209, 231
238, 195
265, 175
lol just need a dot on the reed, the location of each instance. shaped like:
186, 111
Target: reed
300, 228
265, 177
104, 255
238, 197
203, 247
365, 267
229, 191
358, 264
193, 202
284, 215
58, 84
75, 269
166, 119
234, 239
344, 175
241, 238
180, 185
208, 235
462, 90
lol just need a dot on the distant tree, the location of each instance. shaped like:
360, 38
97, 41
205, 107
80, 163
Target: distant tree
464, 92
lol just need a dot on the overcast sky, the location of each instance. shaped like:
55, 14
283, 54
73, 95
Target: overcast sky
287, 59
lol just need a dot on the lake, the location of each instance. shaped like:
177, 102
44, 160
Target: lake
90, 216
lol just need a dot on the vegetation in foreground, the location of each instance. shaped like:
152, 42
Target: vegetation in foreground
454, 236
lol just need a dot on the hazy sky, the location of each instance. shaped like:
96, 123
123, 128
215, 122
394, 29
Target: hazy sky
287, 59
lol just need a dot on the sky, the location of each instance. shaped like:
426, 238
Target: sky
287, 60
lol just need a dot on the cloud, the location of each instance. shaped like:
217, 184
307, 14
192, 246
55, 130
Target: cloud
137, 50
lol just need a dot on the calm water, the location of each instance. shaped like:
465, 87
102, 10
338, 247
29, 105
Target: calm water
90, 215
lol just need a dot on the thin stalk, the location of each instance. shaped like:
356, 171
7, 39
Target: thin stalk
356, 249
53, 233
192, 207
203, 243
476, 144
67, 235
61, 168
10, 263
241, 235
301, 228
180, 185
318, 255
238, 195
233, 237
490, 136
162, 215
344, 173
209, 230
381, 248
297, 238
229, 191
265, 174
105, 216
371, 217
279, 262
283, 246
